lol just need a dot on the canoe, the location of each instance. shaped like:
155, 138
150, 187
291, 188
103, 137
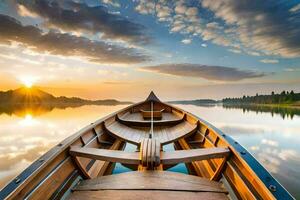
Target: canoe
82, 166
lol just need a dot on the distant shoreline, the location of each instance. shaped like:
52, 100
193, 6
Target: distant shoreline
34, 96
284, 99
296, 106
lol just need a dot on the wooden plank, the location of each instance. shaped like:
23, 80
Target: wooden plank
187, 156
151, 180
99, 165
106, 155
200, 167
164, 136
126, 133
145, 194
41, 175
51, 183
217, 174
136, 119
181, 130
131, 135
173, 157
237, 183
157, 153
143, 150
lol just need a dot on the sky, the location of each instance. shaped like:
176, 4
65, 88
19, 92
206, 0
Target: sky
191, 49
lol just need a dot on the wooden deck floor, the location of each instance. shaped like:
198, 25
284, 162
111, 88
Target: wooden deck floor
149, 185
163, 134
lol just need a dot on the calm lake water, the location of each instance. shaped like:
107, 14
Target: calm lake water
273, 138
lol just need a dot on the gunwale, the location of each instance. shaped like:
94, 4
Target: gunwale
256, 169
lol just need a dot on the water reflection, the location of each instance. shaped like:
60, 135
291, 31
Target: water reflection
284, 112
22, 110
27, 134
272, 139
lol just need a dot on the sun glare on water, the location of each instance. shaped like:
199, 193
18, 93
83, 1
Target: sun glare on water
28, 120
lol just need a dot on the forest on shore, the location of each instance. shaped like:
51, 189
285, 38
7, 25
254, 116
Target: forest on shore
285, 97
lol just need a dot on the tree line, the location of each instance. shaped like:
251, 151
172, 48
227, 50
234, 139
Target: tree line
285, 97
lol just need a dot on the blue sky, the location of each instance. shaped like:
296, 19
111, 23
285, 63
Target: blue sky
176, 48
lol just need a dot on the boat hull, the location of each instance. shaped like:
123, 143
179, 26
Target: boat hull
53, 175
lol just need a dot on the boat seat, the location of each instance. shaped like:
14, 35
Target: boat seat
149, 185
157, 114
163, 134
146, 154
136, 119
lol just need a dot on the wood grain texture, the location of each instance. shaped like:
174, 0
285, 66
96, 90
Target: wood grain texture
46, 175
163, 134
148, 156
151, 180
146, 194
106, 155
187, 156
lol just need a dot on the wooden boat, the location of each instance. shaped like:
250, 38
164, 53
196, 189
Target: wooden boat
81, 166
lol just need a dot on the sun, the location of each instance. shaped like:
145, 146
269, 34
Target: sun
28, 81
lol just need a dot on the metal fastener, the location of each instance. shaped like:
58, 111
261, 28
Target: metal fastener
272, 188
17, 180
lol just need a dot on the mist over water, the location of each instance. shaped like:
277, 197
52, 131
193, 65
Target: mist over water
272, 137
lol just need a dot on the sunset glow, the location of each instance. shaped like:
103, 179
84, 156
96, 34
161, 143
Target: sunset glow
154, 76
125, 49
28, 81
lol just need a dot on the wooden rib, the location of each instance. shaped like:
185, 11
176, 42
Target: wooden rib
219, 170
201, 168
237, 183
106, 155
187, 156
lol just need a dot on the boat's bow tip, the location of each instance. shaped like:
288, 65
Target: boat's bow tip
152, 97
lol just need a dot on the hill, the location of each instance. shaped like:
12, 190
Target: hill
35, 96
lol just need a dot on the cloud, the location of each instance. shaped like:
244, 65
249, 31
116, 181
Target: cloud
268, 27
180, 9
24, 12
292, 69
145, 7
177, 27
296, 8
218, 73
270, 142
204, 45
111, 2
79, 17
269, 61
192, 11
162, 11
55, 43
235, 51
253, 53
186, 41
271, 28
